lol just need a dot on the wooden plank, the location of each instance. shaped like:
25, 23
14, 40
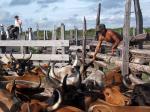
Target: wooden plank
126, 30
36, 63
141, 52
54, 57
64, 43
94, 43
74, 48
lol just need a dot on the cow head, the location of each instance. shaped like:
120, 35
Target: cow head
20, 65
114, 96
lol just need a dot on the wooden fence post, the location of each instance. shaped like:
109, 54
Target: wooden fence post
45, 38
63, 36
126, 30
2, 37
84, 46
76, 36
47, 35
54, 38
30, 35
71, 34
37, 31
139, 20
98, 19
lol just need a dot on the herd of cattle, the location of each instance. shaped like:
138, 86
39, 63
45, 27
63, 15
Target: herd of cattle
45, 88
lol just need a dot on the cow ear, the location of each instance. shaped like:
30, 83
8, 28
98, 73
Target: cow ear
116, 88
107, 93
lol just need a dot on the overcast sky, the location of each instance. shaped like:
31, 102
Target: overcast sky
48, 13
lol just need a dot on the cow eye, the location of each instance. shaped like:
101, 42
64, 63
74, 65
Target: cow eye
107, 94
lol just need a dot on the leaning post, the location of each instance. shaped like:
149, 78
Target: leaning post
98, 19
126, 30
84, 46
139, 20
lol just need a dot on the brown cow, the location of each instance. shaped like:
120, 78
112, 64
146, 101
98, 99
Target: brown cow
113, 77
114, 96
102, 106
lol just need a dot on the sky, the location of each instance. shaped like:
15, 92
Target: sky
49, 13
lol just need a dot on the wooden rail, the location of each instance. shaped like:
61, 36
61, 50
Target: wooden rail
38, 43
44, 57
64, 43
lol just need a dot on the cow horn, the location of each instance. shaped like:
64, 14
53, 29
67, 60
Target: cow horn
52, 73
12, 57
127, 82
64, 86
79, 78
57, 104
52, 80
8, 57
43, 70
29, 57
76, 61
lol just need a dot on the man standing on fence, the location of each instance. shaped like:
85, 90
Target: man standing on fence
16, 29
18, 24
107, 35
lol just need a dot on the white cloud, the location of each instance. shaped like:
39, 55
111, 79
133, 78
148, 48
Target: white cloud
71, 12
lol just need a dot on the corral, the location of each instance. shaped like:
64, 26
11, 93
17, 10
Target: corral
58, 75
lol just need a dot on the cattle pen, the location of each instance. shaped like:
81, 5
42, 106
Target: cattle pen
57, 74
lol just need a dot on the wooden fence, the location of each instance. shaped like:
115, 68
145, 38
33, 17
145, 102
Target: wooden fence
38, 43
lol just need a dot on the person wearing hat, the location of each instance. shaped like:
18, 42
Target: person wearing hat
18, 23
107, 35
14, 29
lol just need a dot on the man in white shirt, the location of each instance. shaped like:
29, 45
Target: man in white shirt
18, 23
14, 30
